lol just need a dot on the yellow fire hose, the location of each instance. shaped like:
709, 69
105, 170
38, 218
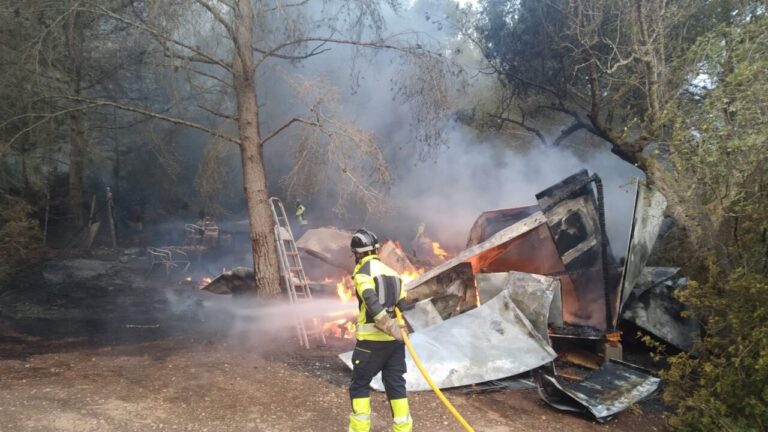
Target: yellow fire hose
424, 373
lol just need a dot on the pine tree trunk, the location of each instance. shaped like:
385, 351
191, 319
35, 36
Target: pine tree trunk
254, 178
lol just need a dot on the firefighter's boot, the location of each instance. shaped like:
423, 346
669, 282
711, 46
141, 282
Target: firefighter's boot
360, 419
401, 415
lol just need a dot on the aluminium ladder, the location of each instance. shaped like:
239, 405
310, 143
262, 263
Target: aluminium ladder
292, 273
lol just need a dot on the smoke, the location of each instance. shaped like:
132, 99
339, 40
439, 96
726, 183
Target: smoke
475, 175
470, 173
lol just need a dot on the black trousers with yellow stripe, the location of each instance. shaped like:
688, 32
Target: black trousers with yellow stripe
372, 357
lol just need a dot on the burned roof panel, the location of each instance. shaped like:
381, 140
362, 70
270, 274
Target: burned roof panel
604, 393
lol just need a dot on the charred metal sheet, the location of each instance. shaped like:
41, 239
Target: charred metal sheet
573, 219
652, 276
423, 315
451, 292
236, 281
491, 222
514, 383
490, 342
657, 311
532, 294
614, 387
647, 218
482, 252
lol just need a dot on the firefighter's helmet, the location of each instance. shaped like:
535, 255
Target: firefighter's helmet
364, 241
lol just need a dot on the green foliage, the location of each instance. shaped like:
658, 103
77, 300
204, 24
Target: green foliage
726, 387
720, 136
680, 89
718, 144
20, 238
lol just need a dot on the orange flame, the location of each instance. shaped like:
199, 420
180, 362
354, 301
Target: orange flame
438, 250
409, 276
204, 281
345, 289
342, 328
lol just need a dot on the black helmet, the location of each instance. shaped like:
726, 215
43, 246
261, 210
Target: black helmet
364, 241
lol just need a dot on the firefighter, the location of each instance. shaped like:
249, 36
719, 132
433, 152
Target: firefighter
300, 210
379, 346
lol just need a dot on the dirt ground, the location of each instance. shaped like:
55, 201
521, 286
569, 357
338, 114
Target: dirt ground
199, 371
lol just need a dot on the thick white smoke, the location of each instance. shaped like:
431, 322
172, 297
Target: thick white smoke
471, 174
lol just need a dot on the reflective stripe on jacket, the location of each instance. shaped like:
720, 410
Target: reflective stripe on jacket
377, 287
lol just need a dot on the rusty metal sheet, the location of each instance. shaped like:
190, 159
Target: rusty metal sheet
612, 388
490, 342
491, 222
485, 251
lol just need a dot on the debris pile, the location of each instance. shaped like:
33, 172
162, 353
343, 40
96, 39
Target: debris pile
533, 279
532, 283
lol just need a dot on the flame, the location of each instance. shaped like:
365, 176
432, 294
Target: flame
438, 250
409, 276
345, 289
204, 281
343, 328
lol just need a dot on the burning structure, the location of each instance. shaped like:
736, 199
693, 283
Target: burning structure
530, 279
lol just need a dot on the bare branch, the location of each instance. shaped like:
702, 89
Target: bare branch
273, 52
286, 6
521, 124
137, 110
565, 133
201, 73
217, 113
315, 51
199, 55
286, 125
46, 117
218, 16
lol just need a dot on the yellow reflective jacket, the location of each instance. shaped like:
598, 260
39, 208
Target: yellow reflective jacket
378, 288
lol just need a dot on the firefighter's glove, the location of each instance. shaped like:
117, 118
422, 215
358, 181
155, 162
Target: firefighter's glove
390, 327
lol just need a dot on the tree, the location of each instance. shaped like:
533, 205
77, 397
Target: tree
606, 68
225, 47
56, 54
676, 88
719, 130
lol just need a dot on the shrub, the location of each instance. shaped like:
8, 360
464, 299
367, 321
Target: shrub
20, 238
